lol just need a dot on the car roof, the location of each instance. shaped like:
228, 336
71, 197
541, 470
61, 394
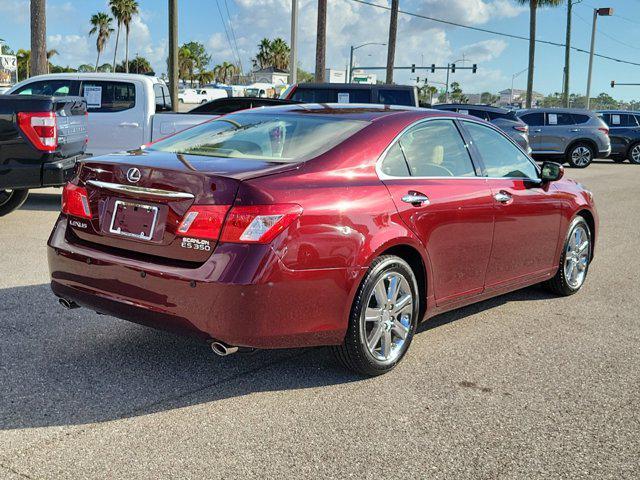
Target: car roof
352, 111
489, 108
580, 111
91, 76
351, 86
632, 112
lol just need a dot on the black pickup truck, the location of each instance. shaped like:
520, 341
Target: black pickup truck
41, 137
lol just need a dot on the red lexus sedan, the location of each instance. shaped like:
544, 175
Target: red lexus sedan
307, 225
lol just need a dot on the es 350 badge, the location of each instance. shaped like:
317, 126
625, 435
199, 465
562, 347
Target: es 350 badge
196, 244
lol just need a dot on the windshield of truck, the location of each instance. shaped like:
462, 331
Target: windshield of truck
272, 137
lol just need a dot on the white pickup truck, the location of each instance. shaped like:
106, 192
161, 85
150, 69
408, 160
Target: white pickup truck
125, 110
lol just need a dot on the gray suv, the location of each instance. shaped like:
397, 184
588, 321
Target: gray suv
505, 120
576, 136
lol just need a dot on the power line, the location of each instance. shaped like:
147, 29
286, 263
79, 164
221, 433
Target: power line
226, 32
605, 34
494, 32
233, 35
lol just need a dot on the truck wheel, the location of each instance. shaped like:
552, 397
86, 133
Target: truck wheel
580, 155
11, 200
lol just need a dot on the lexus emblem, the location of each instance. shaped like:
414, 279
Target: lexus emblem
133, 175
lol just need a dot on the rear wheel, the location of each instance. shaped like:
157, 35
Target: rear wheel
580, 155
634, 154
11, 200
383, 318
575, 259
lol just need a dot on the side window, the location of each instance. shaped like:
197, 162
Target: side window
394, 163
479, 114
109, 96
159, 95
501, 157
47, 87
559, 119
580, 119
436, 149
167, 96
394, 97
607, 118
533, 119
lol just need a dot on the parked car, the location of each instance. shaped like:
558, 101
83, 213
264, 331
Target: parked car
307, 225
125, 110
40, 139
505, 119
223, 106
352, 93
201, 95
574, 136
624, 132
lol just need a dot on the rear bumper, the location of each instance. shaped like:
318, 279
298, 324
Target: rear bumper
55, 174
604, 152
243, 295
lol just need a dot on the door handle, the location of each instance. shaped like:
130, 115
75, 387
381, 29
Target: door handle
575, 129
416, 199
130, 124
537, 131
503, 197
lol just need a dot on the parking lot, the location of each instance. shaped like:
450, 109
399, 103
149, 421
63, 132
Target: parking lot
523, 386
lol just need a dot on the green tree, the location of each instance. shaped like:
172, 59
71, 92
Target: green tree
24, 61
117, 10
272, 53
129, 10
137, 65
101, 27
533, 8
4, 48
50, 54
224, 71
456, 93
304, 76
198, 57
489, 98
85, 68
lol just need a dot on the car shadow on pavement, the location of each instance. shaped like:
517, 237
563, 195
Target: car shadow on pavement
43, 201
60, 367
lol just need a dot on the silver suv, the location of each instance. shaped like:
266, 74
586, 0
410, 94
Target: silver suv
573, 135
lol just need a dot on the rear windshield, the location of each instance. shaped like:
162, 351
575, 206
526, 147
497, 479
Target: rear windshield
277, 138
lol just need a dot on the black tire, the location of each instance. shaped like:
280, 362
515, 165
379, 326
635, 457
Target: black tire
353, 353
634, 153
577, 159
180, 100
559, 283
11, 200
618, 159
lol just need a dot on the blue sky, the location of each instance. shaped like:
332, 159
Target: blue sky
352, 23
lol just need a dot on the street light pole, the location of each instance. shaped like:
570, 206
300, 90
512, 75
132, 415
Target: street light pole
513, 78
353, 49
605, 12
293, 61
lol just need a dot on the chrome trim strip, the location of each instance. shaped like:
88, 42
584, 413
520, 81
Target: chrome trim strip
132, 189
384, 176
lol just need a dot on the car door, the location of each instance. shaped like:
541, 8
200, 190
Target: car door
535, 120
559, 131
117, 113
527, 212
621, 130
442, 199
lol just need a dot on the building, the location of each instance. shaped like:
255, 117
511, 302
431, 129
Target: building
517, 97
360, 76
335, 76
8, 70
272, 75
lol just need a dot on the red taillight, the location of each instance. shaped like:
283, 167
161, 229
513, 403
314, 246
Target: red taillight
40, 128
521, 128
203, 221
258, 223
605, 130
75, 201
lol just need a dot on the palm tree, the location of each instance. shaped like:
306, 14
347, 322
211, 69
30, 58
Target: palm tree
264, 54
24, 60
102, 28
38, 37
533, 7
117, 8
50, 54
186, 63
224, 71
321, 40
280, 54
393, 33
129, 9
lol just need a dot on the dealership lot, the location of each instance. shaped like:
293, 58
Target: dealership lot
526, 385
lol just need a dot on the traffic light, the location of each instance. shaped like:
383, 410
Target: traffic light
474, 68
433, 68
613, 83
413, 68
453, 68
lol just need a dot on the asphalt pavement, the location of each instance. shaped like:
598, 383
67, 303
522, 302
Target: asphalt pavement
526, 385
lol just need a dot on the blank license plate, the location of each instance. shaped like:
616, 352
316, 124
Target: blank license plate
133, 220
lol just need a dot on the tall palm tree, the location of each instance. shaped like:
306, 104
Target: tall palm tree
321, 40
393, 33
38, 37
129, 10
224, 71
101, 26
117, 8
280, 54
50, 54
186, 63
263, 58
533, 8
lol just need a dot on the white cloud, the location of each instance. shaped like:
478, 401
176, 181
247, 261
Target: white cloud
484, 51
73, 50
15, 10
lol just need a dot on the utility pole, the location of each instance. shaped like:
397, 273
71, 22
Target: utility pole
38, 62
293, 61
605, 12
567, 53
446, 91
393, 33
350, 71
321, 40
173, 53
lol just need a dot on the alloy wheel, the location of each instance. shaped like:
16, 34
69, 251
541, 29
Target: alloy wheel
576, 259
5, 196
581, 156
635, 154
387, 319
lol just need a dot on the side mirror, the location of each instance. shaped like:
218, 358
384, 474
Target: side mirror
551, 171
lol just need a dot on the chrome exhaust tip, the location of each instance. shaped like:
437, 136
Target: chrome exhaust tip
223, 349
68, 304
